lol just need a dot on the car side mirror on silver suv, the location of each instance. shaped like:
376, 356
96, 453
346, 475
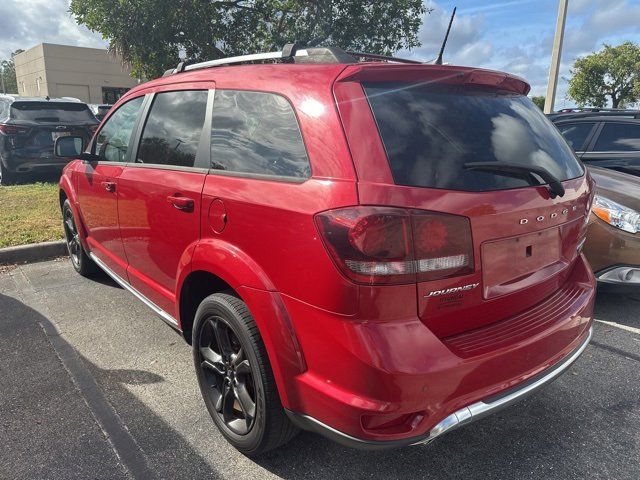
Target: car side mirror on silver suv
68, 146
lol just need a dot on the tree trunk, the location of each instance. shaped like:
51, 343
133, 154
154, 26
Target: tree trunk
615, 101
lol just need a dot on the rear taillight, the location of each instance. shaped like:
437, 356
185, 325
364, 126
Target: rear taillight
12, 129
381, 245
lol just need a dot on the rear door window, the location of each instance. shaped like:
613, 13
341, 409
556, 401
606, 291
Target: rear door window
52, 112
257, 133
576, 134
618, 137
112, 142
431, 131
173, 129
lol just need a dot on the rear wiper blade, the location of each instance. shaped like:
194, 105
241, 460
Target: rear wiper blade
521, 171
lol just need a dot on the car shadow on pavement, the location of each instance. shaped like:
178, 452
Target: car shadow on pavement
166, 454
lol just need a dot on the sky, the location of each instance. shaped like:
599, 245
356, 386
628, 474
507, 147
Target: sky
515, 36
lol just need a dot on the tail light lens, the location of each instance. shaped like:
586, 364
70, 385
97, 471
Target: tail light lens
379, 245
12, 129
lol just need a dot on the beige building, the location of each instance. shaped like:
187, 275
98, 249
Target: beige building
90, 74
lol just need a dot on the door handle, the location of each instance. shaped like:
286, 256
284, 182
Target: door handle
181, 203
109, 186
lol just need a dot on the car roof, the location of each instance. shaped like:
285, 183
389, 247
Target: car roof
320, 66
322, 75
16, 98
596, 115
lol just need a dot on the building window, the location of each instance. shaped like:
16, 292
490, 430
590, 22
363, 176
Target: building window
111, 95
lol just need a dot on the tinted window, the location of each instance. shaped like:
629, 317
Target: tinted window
623, 137
172, 132
576, 133
258, 133
113, 139
54, 112
430, 132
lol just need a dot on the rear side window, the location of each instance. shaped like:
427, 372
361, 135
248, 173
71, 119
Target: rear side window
431, 131
172, 132
624, 137
52, 112
257, 133
576, 134
112, 142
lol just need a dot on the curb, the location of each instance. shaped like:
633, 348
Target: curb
36, 252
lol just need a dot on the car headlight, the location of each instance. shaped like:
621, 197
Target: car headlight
617, 215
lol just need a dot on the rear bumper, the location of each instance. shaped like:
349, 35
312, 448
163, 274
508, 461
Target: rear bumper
464, 416
383, 384
20, 163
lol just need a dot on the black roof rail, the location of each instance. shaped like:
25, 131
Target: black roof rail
291, 52
375, 56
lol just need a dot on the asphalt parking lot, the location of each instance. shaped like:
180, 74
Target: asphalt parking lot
93, 385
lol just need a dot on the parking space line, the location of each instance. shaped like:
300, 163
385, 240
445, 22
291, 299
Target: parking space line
620, 326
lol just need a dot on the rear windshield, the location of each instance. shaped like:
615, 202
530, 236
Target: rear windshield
431, 131
57, 112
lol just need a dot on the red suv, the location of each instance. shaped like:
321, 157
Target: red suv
370, 248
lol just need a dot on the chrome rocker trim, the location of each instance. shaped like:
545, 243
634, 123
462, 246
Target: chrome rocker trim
161, 313
457, 419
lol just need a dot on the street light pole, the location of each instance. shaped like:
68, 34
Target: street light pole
556, 53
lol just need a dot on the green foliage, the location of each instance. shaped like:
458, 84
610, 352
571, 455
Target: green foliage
612, 73
8, 74
150, 34
539, 101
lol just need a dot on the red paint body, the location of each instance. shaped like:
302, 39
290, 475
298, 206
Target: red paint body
375, 362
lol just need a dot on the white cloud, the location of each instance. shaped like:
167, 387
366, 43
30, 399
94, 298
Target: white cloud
464, 46
24, 24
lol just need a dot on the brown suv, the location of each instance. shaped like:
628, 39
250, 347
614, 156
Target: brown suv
613, 239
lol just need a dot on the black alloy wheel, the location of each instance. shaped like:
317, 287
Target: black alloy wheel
81, 262
72, 238
235, 376
228, 374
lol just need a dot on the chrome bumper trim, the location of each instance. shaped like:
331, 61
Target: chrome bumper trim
161, 313
480, 410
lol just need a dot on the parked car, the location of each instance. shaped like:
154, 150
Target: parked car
28, 128
613, 237
378, 251
100, 111
606, 138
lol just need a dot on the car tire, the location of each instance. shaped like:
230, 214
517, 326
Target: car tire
6, 177
235, 376
81, 262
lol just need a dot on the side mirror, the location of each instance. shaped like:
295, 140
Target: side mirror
68, 146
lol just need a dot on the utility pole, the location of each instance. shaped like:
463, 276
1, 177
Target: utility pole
556, 53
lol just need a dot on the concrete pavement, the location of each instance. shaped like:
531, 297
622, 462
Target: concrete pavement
116, 390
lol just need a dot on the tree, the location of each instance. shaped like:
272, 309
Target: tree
539, 101
150, 34
612, 73
8, 82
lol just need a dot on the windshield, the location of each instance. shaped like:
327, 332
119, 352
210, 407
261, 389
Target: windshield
431, 131
54, 112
